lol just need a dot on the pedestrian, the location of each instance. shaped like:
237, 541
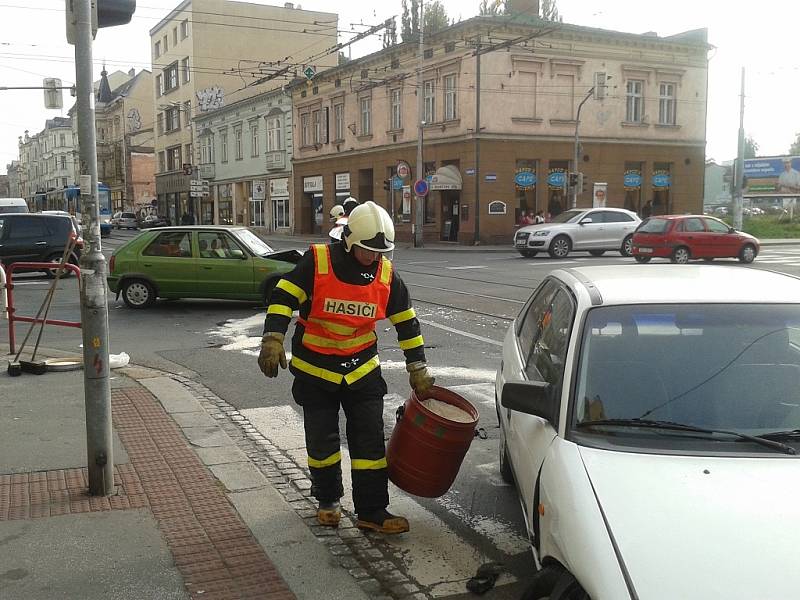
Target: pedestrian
349, 205
341, 290
524, 219
539, 218
647, 209
339, 221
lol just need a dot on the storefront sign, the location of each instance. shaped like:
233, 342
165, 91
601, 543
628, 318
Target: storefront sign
525, 179
599, 195
342, 181
312, 184
661, 179
279, 187
490, 177
259, 190
469, 171
633, 180
557, 178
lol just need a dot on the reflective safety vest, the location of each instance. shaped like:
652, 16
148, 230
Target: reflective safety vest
343, 316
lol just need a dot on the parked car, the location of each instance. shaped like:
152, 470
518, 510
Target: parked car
650, 424
595, 230
63, 213
151, 221
682, 238
196, 262
13, 205
127, 220
37, 237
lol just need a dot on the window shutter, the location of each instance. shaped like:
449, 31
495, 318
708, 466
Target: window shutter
325, 121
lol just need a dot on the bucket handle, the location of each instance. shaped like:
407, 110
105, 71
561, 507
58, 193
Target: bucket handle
398, 414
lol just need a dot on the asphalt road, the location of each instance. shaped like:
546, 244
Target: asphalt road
465, 300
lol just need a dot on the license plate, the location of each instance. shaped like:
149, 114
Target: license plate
521, 243
646, 250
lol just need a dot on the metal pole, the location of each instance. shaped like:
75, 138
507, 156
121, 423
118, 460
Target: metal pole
578, 146
477, 239
94, 310
419, 207
737, 198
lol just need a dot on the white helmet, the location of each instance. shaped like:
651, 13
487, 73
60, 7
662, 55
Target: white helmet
349, 205
370, 227
336, 212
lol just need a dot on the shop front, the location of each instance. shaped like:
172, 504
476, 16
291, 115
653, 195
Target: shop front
257, 203
279, 200
312, 204
446, 183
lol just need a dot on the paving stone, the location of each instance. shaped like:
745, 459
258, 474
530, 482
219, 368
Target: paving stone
404, 589
371, 586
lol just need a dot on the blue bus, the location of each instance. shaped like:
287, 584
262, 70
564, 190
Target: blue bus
72, 204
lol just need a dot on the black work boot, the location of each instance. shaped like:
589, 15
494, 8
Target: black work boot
329, 513
382, 521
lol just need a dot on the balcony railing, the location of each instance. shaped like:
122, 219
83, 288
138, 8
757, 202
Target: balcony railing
275, 160
206, 170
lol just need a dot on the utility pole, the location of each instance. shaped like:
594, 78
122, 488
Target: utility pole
94, 309
419, 206
477, 239
737, 197
578, 146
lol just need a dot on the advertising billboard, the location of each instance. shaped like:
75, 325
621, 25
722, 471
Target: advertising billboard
776, 176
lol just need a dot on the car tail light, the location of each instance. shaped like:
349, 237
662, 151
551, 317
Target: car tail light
111, 263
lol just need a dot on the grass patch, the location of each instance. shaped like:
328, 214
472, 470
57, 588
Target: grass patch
769, 226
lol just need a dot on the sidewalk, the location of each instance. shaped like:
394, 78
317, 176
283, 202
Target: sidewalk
205, 506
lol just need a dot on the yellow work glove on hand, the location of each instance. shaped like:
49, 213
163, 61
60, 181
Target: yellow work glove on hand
419, 378
271, 354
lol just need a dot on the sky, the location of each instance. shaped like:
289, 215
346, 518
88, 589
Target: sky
756, 36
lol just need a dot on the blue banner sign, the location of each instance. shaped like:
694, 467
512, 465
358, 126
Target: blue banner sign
557, 179
525, 179
662, 180
633, 179
769, 167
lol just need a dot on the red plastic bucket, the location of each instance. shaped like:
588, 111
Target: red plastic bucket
425, 451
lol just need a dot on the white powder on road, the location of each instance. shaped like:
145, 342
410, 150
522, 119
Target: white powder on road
448, 411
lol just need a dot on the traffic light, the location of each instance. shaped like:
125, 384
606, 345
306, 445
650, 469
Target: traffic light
387, 184
573, 180
105, 13
583, 182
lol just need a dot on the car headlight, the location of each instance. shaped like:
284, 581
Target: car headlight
541, 233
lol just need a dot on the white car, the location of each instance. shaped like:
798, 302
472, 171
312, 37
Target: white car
595, 230
127, 220
651, 423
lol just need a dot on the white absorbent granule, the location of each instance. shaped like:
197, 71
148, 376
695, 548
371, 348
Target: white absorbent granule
448, 411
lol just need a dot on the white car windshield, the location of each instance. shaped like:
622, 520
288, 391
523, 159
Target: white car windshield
568, 216
256, 245
733, 367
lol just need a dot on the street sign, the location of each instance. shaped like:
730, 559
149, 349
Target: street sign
421, 188
397, 182
403, 170
309, 72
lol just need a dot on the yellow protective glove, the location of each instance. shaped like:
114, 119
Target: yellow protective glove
418, 377
272, 354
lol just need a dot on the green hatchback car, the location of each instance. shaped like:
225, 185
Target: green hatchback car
201, 261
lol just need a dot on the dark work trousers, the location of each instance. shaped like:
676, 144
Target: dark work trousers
363, 409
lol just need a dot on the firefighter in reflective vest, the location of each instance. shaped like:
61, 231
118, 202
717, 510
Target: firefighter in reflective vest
341, 290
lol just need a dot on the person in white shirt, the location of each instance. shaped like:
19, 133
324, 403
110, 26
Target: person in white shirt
789, 180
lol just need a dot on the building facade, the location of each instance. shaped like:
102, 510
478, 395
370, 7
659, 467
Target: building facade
46, 164
641, 126
245, 154
12, 170
211, 53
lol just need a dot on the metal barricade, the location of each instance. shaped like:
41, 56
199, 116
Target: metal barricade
11, 310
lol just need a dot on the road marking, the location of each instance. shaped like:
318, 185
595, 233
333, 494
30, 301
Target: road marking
17, 283
459, 332
429, 262
468, 267
430, 287
434, 555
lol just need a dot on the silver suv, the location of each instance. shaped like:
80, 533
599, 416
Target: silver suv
127, 220
595, 230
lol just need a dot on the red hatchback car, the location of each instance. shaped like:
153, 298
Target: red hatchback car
682, 238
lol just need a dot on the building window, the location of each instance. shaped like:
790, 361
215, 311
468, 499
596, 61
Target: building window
273, 134
449, 46
305, 134
173, 119
396, 96
63, 182
159, 85
189, 154
63, 162
184, 29
157, 49
223, 146
62, 139
207, 149
449, 97
666, 104
160, 123
164, 44
428, 93
280, 213
171, 77
316, 126
187, 114
634, 107
366, 115
338, 121
237, 142
174, 36
185, 70
565, 92
173, 158
254, 150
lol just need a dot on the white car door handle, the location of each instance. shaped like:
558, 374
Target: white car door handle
41, 243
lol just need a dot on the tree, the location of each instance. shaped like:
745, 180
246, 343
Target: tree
750, 147
490, 8
342, 58
405, 23
435, 18
549, 11
414, 18
794, 149
390, 33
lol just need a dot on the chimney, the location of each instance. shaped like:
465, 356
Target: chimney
288, 5
132, 72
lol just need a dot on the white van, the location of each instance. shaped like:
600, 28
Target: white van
13, 205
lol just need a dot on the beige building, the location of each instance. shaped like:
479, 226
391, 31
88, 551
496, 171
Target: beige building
206, 53
46, 164
642, 130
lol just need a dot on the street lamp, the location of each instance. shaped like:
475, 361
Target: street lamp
577, 138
